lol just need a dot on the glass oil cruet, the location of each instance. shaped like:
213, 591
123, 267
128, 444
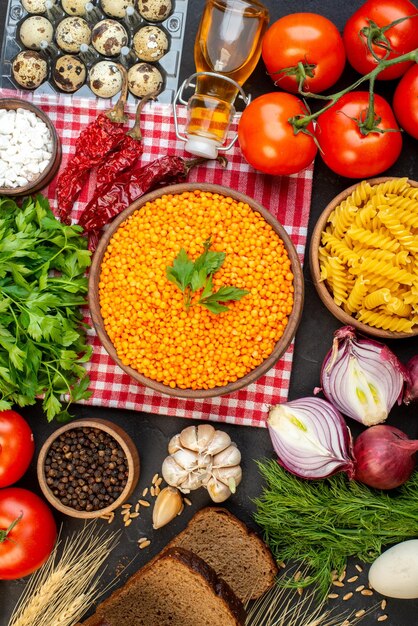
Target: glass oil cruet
226, 51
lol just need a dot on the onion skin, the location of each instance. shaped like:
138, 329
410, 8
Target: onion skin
411, 391
384, 457
361, 377
311, 438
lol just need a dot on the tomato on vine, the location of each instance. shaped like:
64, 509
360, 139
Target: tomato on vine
303, 50
355, 141
371, 26
405, 101
268, 140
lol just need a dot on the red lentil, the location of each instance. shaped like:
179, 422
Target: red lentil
144, 313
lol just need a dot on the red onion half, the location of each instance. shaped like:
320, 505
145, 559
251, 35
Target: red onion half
311, 438
361, 377
384, 457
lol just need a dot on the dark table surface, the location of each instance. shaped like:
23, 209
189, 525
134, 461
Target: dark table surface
313, 339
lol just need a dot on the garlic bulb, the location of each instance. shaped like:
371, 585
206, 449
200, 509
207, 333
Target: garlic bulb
201, 456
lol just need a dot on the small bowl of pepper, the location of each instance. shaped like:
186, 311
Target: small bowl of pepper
88, 468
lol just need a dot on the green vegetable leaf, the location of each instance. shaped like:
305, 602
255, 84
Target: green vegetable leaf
181, 271
191, 277
5, 405
198, 279
34, 327
17, 357
210, 260
214, 307
224, 294
51, 406
208, 290
80, 391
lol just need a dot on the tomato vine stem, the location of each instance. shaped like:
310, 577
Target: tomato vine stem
300, 122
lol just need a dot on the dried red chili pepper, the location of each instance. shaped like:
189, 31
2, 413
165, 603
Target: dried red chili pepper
110, 200
93, 145
127, 153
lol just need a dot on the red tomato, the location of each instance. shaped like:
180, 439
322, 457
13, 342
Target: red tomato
30, 542
345, 149
405, 101
403, 37
16, 447
305, 38
267, 139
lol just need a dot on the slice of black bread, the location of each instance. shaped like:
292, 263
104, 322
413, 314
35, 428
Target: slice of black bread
236, 554
176, 589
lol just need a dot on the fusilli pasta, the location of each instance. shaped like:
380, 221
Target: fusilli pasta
368, 255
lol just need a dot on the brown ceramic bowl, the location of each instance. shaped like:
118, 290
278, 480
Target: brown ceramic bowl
321, 287
280, 346
51, 169
128, 447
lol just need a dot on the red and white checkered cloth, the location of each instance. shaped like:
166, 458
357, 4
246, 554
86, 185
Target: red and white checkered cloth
288, 199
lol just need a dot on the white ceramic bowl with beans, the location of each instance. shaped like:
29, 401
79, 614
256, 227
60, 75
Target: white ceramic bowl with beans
49, 162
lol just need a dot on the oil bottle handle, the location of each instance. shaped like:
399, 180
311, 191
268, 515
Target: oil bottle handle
188, 82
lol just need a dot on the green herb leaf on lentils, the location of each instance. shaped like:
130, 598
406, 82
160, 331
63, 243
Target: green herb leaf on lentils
42, 287
191, 277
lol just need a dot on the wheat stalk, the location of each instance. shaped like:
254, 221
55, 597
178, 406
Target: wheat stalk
281, 606
61, 591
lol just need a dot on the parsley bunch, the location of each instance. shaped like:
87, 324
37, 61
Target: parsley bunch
191, 277
42, 287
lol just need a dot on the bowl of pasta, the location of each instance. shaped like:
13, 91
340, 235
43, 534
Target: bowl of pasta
364, 257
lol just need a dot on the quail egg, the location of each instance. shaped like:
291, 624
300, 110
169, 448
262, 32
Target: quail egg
69, 73
144, 80
108, 37
74, 7
116, 8
150, 43
155, 10
34, 6
105, 79
34, 30
29, 69
71, 33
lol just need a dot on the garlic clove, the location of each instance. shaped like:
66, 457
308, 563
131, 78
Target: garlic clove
174, 444
172, 472
197, 438
205, 434
220, 441
217, 490
187, 459
188, 438
168, 505
228, 457
229, 476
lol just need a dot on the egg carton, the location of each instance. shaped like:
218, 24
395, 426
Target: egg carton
168, 65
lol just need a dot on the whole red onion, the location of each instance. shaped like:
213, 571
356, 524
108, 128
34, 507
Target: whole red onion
384, 457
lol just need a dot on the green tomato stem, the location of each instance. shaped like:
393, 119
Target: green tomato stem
370, 121
299, 123
5, 532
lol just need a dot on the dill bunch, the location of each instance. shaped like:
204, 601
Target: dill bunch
324, 522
